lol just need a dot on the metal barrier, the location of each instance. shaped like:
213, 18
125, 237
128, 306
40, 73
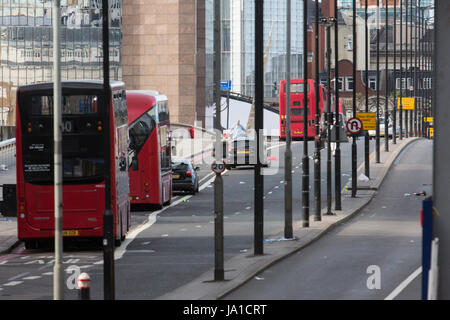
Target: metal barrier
7, 154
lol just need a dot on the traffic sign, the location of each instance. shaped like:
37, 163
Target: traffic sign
354, 126
225, 85
218, 167
369, 120
407, 103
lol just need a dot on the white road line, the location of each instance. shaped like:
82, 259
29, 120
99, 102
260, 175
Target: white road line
12, 283
404, 284
32, 278
19, 276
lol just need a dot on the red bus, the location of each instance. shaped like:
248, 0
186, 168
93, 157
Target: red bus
83, 134
297, 111
150, 148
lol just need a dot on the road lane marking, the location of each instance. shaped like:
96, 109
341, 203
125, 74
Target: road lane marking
12, 283
32, 278
404, 284
19, 276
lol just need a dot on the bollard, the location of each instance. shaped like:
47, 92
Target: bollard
84, 287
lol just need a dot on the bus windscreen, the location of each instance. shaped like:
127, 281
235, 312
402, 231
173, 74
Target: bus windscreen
82, 143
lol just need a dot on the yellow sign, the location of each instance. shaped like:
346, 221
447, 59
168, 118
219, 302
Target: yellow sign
369, 120
429, 119
408, 103
431, 132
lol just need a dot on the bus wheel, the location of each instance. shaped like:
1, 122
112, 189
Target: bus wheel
31, 244
117, 242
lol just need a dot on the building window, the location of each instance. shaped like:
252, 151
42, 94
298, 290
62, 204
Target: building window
350, 42
349, 84
340, 84
373, 83
403, 82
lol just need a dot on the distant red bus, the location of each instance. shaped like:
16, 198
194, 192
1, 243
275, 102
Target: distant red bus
83, 138
297, 108
150, 148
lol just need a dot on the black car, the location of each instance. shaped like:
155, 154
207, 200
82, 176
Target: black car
184, 176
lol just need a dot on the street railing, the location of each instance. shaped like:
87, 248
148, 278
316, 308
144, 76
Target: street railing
7, 154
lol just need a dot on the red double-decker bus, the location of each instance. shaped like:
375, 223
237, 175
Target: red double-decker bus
83, 140
150, 148
297, 107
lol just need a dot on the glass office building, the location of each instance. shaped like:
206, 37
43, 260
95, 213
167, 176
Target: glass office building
238, 43
26, 50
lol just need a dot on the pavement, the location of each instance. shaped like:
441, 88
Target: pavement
245, 266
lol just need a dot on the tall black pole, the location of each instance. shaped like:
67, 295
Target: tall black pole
354, 146
416, 35
305, 160
377, 143
401, 70
259, 101
406, 67
386, 79
288, 228
317, 158
367, 137
420, 79
411, 63
219, 273
329, 122
394, 129
337, 155
108, 217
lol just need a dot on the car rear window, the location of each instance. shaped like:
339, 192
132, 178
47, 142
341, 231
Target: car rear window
179, 166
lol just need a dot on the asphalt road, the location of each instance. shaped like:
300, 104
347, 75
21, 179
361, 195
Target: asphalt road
174, 246
384, 239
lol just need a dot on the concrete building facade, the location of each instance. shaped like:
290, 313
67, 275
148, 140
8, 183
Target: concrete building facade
164, 50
